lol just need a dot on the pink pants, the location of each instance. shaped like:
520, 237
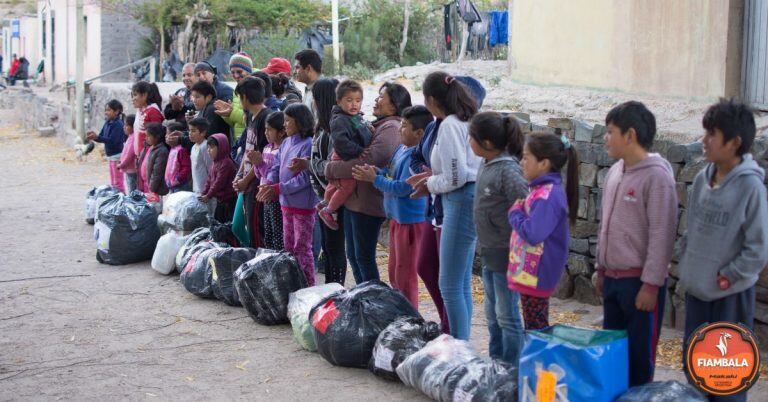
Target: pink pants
297, 238
338, 191
403, 249
116, 176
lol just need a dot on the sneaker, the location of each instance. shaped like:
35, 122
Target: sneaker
328, 218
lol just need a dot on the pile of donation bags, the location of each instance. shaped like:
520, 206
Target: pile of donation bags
125, 229
93, 200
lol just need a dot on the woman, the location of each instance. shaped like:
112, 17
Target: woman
331, 241
364, 213
454, 169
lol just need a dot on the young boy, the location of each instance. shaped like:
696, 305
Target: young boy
637, 235
204, 96
724, 247
201, 161
350, 136
178, 171
407, 215
218, 191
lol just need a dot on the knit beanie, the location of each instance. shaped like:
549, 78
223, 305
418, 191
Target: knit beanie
241, 60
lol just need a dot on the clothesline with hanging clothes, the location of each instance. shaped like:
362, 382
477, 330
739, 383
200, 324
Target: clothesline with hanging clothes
491, 28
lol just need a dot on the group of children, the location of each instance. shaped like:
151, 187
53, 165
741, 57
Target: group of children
522, 207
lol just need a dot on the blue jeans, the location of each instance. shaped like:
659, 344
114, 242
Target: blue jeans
502, 308
361, 233
457, 251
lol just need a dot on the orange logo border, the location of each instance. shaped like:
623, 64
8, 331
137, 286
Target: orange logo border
698, 336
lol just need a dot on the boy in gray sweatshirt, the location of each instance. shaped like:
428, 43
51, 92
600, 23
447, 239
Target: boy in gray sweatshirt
726, 243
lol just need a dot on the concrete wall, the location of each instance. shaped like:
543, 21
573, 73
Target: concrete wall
120, 37
683, 48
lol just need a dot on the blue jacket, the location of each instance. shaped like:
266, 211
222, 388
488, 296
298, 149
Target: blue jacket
398, 204
112, 136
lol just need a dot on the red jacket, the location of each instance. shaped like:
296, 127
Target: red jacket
218, 185
14, 66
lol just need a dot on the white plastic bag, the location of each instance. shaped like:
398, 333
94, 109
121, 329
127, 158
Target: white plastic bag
164, 258
299, 304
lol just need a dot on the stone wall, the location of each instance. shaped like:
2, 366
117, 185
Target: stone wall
686, 161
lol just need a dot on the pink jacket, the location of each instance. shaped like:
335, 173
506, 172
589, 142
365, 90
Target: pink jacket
639, 222
128, 157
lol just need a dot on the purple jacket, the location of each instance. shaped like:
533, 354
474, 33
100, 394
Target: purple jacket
538, 247
295, 189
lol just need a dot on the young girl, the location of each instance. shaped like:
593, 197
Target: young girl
539, 241
297, 200
218, 191
178, 172
262, 162
127, 163
147, 101
112, 136
152, 162
499, 141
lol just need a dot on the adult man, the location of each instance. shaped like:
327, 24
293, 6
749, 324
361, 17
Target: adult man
180, 103
308, 69
240, 66
206, 72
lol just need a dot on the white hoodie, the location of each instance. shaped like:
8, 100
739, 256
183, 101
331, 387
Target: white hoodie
453, 162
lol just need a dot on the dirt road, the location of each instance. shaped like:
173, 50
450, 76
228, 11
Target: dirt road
73, 329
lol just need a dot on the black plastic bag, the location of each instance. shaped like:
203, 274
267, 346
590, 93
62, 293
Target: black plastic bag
264, 284
222, 233
347, 324
223, 264
481, 380
399, 340
126, 229
197, 275
95, 197
183, 211
667, 391
198, 236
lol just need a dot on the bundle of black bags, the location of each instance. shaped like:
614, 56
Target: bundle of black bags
447, 369
399, 340
197, 276
223, 263
94, 198
264, 284
346, 324
126, 229
194, 243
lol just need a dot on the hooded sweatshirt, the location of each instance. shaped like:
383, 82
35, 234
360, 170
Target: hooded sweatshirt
639, 222
727, 232
218, 185
538, 247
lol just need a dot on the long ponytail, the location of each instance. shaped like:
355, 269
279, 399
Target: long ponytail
503, 132
560, 152
450, 94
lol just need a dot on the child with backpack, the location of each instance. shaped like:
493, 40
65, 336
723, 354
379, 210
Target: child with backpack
540, 232
178, 172
500, 182
637, 235
112, 135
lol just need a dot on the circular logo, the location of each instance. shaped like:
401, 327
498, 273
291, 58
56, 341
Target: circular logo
722, 358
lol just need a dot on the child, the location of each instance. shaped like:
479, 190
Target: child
637, 235
112, 135
147, 101
499, 141
408, 218
724, 247
152, 162
203, 97
127, 163
218, 191
262, 162
349, 136
200, 160
539, 241
178, 172
296, 196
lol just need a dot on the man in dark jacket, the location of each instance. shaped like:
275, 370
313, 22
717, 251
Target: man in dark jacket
180, 103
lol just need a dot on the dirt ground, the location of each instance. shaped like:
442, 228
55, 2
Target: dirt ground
73, 329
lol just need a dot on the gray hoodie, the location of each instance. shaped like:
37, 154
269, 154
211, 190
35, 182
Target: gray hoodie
499, 184
727, 232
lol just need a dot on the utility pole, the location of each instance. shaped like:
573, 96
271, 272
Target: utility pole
79, 65
335, 33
